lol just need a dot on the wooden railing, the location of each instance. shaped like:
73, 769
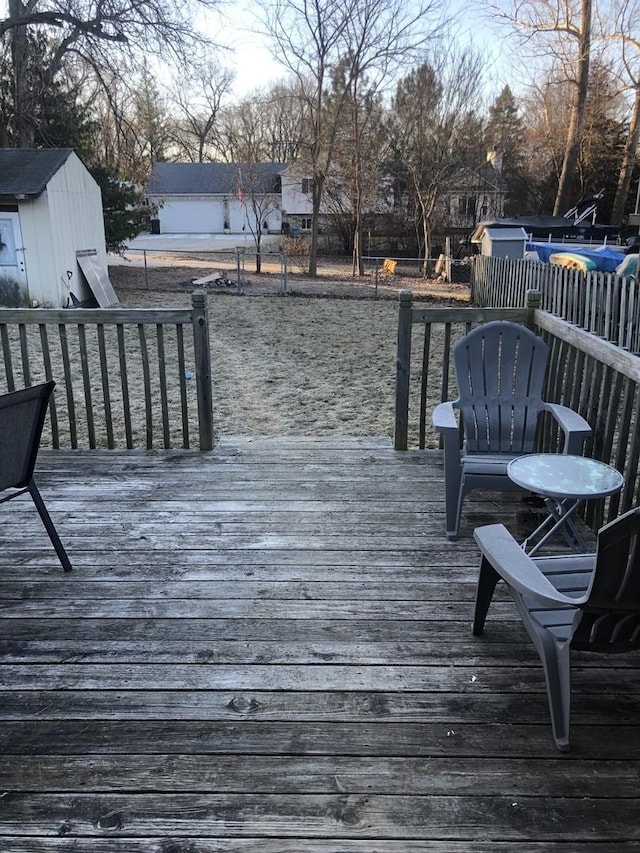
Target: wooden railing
125, 377
602, 303
601, 382
594, 377
433, 332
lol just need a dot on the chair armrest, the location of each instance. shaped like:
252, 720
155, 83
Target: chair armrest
516, 568
444, 419
573, 425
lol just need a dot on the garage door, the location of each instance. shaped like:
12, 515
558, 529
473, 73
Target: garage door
191, 217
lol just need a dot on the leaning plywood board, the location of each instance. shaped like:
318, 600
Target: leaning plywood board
97, 276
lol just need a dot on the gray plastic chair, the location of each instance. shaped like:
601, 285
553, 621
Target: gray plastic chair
500, 369
22, 415
589, 602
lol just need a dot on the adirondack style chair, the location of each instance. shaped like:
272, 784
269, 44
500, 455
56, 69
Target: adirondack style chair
588, 602
22, 415
500, 369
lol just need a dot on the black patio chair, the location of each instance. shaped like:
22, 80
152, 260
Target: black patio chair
22, 415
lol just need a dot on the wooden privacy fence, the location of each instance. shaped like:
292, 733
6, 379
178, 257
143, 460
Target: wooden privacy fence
594, 377
603, 303
125, 377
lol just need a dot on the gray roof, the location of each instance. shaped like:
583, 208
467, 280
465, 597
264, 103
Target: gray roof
27, 171
212, 178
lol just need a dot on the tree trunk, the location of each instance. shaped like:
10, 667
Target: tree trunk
24, 137
316, 197
628, 162
358, 263
576, 121
259, 249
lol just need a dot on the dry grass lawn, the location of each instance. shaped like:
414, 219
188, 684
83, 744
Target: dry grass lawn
316, 360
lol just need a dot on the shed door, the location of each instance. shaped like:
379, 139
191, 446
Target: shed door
12, 266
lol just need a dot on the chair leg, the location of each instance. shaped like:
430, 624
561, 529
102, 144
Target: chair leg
487, 581
556, 660
452, 483
46, 520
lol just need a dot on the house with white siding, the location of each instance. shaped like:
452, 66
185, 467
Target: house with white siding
227, 198
51, 226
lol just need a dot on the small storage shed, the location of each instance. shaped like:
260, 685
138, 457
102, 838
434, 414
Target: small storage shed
51, 223
503, 242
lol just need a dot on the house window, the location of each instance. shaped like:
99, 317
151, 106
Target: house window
306, 185
467, 206
306, 224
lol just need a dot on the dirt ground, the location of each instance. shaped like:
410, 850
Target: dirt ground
316, 359
170, 278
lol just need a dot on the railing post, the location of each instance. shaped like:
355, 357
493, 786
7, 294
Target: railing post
532, 303
202, 353
403, 365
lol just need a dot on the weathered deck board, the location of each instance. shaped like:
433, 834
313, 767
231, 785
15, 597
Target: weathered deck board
268, 647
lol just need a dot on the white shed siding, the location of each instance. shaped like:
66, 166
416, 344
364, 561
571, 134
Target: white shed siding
66, 218
75, 205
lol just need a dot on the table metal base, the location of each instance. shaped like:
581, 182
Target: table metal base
560, 518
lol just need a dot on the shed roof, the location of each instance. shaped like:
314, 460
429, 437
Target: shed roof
212, 178
27, 171
497, 234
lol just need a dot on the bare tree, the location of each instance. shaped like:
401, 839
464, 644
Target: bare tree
320, 42
379, 36
258, 190
560, 29
546, 106
623, 31
242, 134
436, 132
197, 100
99, 31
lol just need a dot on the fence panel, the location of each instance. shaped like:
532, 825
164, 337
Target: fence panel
603, 303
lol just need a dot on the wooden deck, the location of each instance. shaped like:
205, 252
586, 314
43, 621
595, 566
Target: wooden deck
267, 649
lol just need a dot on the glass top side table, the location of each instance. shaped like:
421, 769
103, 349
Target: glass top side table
563, 481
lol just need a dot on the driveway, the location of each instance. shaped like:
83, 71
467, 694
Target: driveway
200, 242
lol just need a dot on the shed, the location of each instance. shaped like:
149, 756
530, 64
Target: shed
52, 243
503, 242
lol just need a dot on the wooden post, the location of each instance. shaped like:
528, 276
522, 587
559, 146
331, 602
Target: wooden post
447, 256
202, 353
533, 302
403, 365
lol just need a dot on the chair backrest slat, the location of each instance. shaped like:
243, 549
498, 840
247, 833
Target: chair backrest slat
610, 618
22, 416
500, 368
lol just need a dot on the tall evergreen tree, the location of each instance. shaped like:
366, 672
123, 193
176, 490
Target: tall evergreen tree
505, 133
51, 112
